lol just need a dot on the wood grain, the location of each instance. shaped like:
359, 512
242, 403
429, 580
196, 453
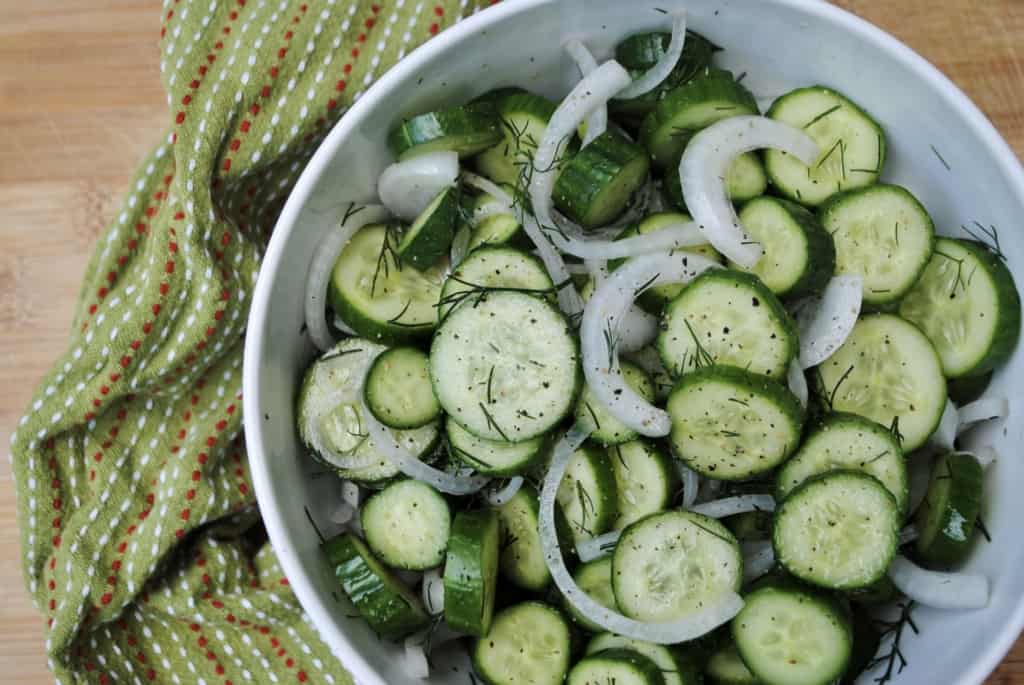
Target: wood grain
81, 103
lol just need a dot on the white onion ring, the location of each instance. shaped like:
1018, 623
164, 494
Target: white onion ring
604, 315
460, 246
700, 623
985, 409
691, 484
709, 489
348, 504
825, 321
798, 382
705, 163
324, 257
939, 590
758, 559
945, 433
496, 498
414, 659
597, 122
662, 69
597, 547
738, 504
673, 237
433, 592
908, 534
406, 188
986, 455
342, 326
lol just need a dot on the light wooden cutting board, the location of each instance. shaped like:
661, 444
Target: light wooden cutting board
80, 103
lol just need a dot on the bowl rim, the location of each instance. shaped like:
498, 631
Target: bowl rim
269, 504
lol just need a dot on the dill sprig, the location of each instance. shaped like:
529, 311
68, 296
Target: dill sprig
959, 280
339, 353
456, 453
480, 292
989, 238
316, 528
893, 659
944, 162
351, 211
386, 250
491, 423
878, 159
835, 388
701, 357
490, 382
611, 342
894, 428
593, 416
586, 504
647, 284
980, 525
821, 116
395, 320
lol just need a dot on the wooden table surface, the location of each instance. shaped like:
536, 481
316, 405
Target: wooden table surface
81, 102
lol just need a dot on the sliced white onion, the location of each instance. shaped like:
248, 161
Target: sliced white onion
825, 321
709, 489
986, 455
460, 246
414, 658
703, 167
602, 322
738, 504
498, 497
639, 329
324, 257
351, 494
908, 534
433, 592
939, 590
985, 409
758, 559
664, 66
597, 122
945, 434
919, 474
714, 613
342, 512
406, 188
691, 484
798, 382
597, 547
342, 326
572, 240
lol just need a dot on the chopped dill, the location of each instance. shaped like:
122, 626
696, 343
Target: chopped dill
491, 423
316, 528
821, 116
944, 162
893, 659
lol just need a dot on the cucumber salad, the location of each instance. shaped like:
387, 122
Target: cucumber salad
646, 386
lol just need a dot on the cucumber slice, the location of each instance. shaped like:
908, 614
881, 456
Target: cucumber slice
750, 526
882, 591
727, 317
407, 525
966, 389
497, 229
330, 415
507, 367
493, 457
398, 391
587, 493
645, 480
619, 666
377, 295
607, 429
887, 371
675, 671
967, 304
522, 558
429, 237
799, 255
948, 514
524, 118
529, 644
847, 441
669, 565
731, 424
688, 109
745, 179
595, 185
384, 603
852, 146
793, 636
471, 571
466, 129
494, 268
644, 50
882, 234
726, 667
595, 579
838, 530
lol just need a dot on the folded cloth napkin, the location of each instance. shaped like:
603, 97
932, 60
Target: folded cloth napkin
138, 523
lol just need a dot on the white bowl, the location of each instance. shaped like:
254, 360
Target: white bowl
781, 44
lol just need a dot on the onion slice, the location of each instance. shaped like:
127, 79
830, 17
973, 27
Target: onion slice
324, 257
406, 188
597, 122
825, 321
909, 533
662, 69
414, 660
498, 497
713, 614
433, 592
798, 382
601, 329
738, 504
939, 590
985, 409
758, 559
597, 547
703, 167
691, 485
945, 434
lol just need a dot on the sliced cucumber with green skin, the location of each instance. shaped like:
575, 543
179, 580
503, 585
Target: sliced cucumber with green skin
595, 185
497, 229
669, 565
388, 607
465, 129
689, 108
653, 299
645, 479
675, 671
607, 429
882, 591
522, 558
726, 667
788, 635
882, 234
966, 389
587, 494
407, 525
866, 641
967, 304
494, 267
595, 579
640, 52
377, 295
852, 146
619, 666
429, 237
799, 256
524, 117
838, 530
731, 424
744, 180
471, 571
529, 644
887, 371
494, 457
506, 367
727, 317
947, 516
330, 415
847, 441
398, 390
